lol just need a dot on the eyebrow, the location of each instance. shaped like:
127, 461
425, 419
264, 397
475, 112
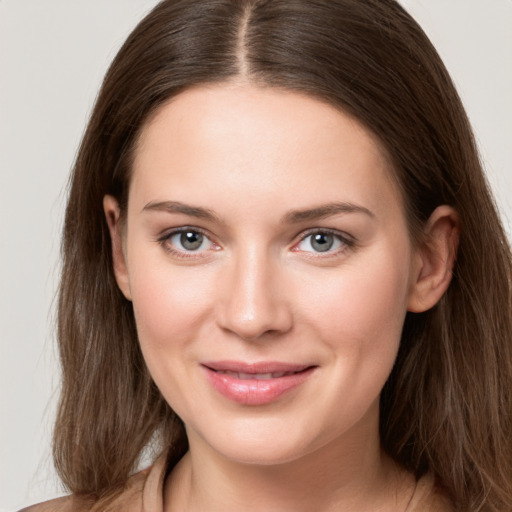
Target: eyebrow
325, 210
292, 217
185, 209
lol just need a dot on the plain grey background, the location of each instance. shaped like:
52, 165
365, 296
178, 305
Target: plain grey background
53, 54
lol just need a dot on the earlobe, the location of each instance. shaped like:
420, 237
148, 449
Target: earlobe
112, 215
435, 259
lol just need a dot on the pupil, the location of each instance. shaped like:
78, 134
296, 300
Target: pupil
191, 240
322, 242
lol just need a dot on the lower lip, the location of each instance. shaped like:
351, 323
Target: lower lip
254, 391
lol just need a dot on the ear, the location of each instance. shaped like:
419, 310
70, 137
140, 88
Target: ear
435, 259
113, 214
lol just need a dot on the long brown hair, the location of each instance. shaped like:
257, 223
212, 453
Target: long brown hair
447, 406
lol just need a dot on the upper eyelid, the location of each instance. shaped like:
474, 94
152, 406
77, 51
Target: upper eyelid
182, 254
168, 233
348, 243
341, 234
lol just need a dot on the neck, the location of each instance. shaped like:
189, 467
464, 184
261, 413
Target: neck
349, 474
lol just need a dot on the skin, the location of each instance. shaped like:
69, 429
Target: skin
257, 289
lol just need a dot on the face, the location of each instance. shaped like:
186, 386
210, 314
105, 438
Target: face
270, 267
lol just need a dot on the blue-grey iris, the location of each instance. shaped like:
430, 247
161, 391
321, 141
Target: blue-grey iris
191, 240
322, 242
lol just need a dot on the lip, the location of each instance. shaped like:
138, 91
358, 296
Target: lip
264, 388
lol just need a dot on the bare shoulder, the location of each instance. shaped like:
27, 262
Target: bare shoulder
64, 504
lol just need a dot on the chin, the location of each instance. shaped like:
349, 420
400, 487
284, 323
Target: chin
266, 453
261, 442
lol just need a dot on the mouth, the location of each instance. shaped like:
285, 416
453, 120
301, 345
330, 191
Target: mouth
257, 376
255, 383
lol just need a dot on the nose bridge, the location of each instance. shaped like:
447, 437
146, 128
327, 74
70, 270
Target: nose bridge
254, 303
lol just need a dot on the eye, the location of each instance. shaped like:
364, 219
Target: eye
323, 242
189, 240
184, 241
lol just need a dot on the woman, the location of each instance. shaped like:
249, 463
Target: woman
283, 272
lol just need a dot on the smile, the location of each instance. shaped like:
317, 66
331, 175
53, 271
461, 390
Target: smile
255, 384
257, 376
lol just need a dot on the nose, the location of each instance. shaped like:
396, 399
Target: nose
254, 304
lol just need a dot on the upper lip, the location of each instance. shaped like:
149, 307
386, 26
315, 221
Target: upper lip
255, 368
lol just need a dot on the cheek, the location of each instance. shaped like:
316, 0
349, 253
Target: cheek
360, 311
169, 305
171, 308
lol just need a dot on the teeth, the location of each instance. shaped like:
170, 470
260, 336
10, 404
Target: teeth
264, 376
247, 376
255, 376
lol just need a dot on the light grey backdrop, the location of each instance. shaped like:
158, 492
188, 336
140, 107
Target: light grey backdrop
53, 54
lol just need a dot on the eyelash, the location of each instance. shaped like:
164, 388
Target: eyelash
347, 242
164, 241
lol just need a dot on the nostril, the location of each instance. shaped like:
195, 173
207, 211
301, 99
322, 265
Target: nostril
258, 323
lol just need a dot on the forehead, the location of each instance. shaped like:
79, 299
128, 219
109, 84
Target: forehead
243, 140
